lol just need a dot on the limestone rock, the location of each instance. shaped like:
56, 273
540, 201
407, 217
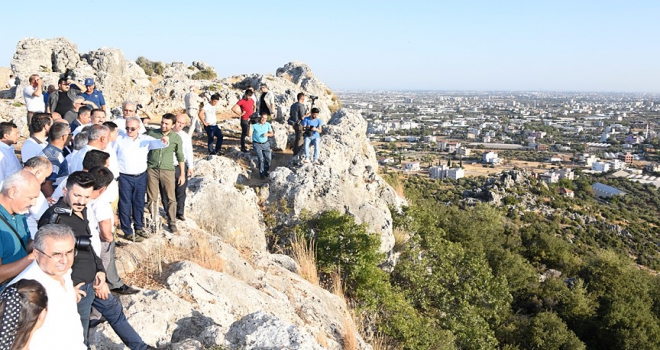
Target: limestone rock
282, 131
262, 331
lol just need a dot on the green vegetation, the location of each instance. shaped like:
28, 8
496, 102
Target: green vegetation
150, 67
205, 74
508, 277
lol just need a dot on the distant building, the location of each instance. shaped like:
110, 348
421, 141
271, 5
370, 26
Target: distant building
430, 139
490, 157
653, 168
456, 173
549, 177
542, 147
604, 191
462, 151
617, 165
566, 173
600, 166
442, 171
565, 192
627, 158
634, 139
412, 166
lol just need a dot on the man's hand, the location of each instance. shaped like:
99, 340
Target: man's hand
165, 140
191, 173
182, 179
101, 289
79, 293
51, 200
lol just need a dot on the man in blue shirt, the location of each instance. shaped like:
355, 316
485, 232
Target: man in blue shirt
93, 95
19, 192
312, 126
259, 133
58, 137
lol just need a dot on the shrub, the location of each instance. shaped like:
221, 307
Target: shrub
205, 74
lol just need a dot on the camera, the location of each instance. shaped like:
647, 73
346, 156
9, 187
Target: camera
83, 242
313, 98
308, 132
138, 107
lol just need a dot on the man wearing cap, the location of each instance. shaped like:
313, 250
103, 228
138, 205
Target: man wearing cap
266, 102
93, 95
32, 95
61, 101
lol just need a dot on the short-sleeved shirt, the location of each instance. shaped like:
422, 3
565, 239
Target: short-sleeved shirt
258, 130
308, 121
9, 164
247, 106
10, 247
209, 114
32, 147
95, 97
60, 165
33, 103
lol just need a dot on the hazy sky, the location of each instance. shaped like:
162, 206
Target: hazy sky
435, 45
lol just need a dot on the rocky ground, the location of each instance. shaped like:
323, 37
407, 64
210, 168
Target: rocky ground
215, 285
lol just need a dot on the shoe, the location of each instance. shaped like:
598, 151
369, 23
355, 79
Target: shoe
316, 162
97, 321
305, 160
142, 233
173, 228
125, 290
133, 237
120, 243
181, 218
244, 150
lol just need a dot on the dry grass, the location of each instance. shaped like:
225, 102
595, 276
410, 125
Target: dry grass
304, 253
401, 236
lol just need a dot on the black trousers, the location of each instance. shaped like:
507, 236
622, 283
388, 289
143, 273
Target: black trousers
179, 191
245, 126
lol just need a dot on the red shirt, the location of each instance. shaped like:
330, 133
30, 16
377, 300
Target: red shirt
247, 106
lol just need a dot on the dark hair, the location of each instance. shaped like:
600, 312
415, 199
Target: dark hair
95, 110
300, 95
39, 121
315, 110
6, 128
111, 125
215, 97
32, 300
248, 93
94, 158
58, 130
102, 176
61, 80
169, 116
83, 110
80, 178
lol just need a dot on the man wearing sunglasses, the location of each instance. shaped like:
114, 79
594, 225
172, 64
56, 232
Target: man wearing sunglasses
61, 101
129, 110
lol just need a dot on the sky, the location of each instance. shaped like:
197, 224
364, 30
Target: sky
602, 46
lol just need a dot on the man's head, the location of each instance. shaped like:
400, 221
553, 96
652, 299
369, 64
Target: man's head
59, 134
84, 114
214, 99
102, 179
20, 191
113, 130
55, 249
99, 136
51, 88
89, 85
63, 84
97, 116
128, 109
248, 94
57, 117
78, 190
301, 97
40, 122
8, 133
167, 122
34, 80
315, 113
78, 102
181, 121
80, 140
132, 126
95, 158
40, 167
263, 87
263, 117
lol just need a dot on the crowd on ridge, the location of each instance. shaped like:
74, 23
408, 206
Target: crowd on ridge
81, 178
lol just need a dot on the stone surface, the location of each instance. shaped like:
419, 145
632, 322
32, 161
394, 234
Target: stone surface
263, 331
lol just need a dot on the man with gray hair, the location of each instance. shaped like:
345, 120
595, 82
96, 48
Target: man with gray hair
54, 251
19, 192
41, 168
193, 102
98, 138
128, 110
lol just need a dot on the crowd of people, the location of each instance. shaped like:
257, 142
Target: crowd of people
82, 179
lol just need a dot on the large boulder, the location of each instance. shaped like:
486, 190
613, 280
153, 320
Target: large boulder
260, 330
346, 181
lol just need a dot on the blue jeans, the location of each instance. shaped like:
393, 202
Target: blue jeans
132, 190
112, 310
263, 155
211, 132
316, 140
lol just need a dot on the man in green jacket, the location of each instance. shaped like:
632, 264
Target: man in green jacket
160, 170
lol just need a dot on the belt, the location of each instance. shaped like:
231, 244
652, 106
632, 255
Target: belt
131, 175
261, 143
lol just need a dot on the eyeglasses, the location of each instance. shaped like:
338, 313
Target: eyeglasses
131, 129
129, 110
58, 256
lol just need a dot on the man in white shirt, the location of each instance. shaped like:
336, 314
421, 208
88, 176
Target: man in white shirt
209, 119
193, 102
34, 100
9, 163
132, 150
38, 139
180, 190
11, 82
54, 248
40, 167
128, 109
98, 138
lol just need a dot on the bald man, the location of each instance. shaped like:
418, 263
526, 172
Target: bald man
19, 192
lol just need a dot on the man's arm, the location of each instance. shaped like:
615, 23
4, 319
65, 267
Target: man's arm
270, 132
102, 101
237, 109
47, 188
105, 230
37, 90
11, 270
202, 117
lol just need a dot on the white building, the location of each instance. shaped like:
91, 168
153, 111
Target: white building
600, 166
490, 157
617, 165
442, 171
462, 151
412, 166
456, 173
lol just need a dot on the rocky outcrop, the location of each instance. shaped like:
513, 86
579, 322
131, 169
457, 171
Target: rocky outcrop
346, 180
